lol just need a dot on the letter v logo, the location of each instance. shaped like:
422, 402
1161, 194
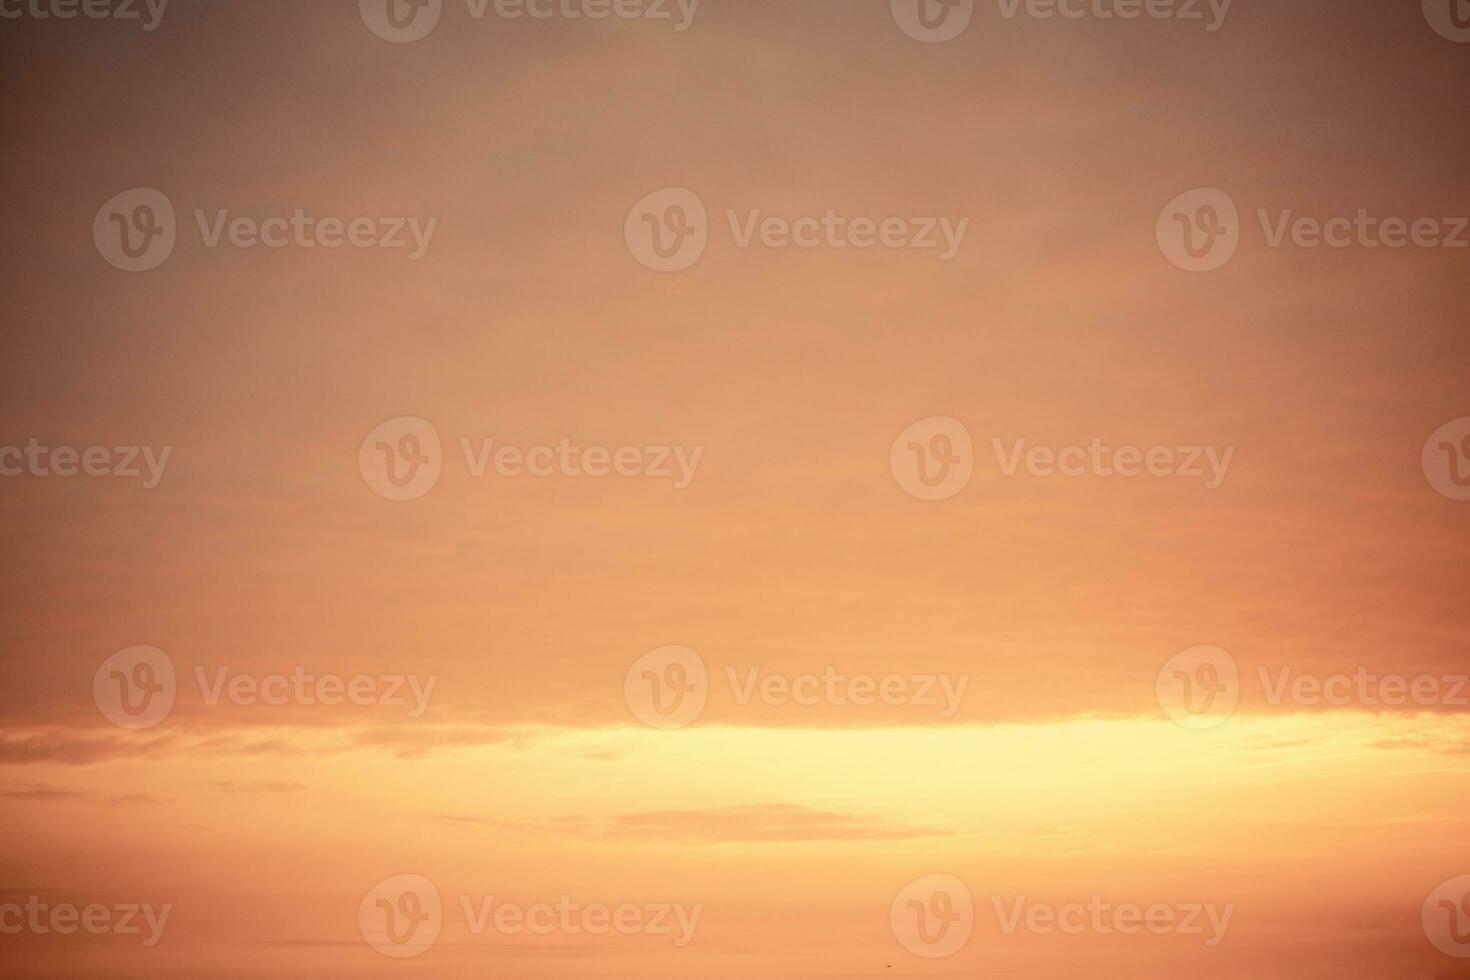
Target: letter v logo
401, 21
933, 21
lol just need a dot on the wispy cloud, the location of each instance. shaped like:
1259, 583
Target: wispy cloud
259, 786
47, 793
767, 823
79, 749
1449, 745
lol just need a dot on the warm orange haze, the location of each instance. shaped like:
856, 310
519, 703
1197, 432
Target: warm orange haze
692, 488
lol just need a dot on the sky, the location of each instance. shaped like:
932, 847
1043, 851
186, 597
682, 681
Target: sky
700, 487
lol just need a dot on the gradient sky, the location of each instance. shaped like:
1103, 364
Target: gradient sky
528, 321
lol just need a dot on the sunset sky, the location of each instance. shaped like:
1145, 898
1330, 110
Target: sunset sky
509, 613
